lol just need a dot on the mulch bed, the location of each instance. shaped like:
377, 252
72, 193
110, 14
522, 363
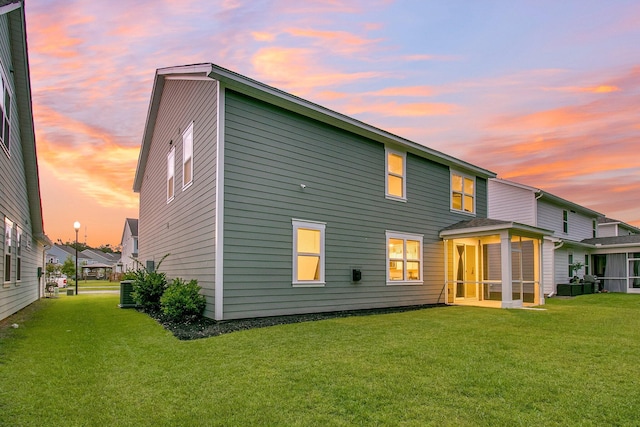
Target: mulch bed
203, 327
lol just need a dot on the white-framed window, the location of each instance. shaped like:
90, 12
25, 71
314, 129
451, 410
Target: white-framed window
463, 193
404, 258
5, 112
18, 254
187, 157
308, 252
396, 174
565, 221
594, 225
171, 174
8, 248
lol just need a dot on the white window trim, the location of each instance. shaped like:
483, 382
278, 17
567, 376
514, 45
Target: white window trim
405, 237
402, 154
475, 188
188, 132
171, 156
5, 87
18, 251
8, 244
311, 225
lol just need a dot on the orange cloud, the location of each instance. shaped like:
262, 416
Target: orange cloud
415, 109
588, 89
263, 36
297, 70
337, 41
87, 157
421, 91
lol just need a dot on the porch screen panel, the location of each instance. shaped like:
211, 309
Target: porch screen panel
492, 271
634, 270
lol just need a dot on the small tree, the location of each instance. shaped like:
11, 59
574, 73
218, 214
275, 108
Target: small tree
575, 267
68, 268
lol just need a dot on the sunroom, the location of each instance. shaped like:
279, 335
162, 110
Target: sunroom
493, 263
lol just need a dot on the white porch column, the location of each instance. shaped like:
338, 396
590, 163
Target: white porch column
507, 285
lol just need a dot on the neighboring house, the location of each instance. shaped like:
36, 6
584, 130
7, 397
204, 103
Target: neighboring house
608, 227
279, 206
58, 254
608, 249
22, 261
616, 262
129, 244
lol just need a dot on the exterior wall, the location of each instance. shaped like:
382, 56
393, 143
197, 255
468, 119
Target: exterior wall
548, 273
607, 230
184, 227
550, 218
269, 152
14, 205
128, 250
511, 203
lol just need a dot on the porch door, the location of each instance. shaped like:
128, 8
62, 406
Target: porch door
466, 272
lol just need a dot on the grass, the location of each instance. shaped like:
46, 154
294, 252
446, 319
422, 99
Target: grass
82, 361
93, 285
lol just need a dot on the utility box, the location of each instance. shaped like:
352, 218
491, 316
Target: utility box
126, 288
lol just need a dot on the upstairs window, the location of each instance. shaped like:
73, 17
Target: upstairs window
171, 175
187, 157
8, 248
395, 185
463, 193
565, 221
594, 225
308, 252
5, 111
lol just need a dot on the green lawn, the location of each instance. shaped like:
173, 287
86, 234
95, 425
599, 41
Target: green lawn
82, 361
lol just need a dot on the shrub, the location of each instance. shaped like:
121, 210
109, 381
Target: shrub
148, 287
182, 299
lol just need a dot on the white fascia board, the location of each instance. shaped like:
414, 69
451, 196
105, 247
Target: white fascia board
10, 7
494, 229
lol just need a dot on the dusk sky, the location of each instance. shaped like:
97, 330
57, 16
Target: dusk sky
544, 93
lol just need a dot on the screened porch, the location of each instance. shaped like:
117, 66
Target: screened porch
493, 264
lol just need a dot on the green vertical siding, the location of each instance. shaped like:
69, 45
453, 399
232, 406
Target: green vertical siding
269, 152
183, 228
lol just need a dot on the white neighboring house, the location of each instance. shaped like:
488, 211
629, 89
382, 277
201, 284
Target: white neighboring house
129, 244
22, 248
606, 248
608, 227
570, 223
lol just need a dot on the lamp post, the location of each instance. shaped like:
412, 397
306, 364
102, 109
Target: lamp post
76, 226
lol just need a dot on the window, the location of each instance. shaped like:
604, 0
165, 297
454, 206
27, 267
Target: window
463, 193
18, 254
5, 110
171, 174
565, 221
8, 248
570, 265
594, 225
404, 258
396, 174
308, 252
586, 264
187, 157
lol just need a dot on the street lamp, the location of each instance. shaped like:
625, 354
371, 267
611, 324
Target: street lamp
76, 226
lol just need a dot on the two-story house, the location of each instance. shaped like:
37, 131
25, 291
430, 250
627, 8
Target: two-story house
277, 205
22, 260
129, 245
569, 222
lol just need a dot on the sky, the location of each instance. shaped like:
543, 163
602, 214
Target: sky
544, 93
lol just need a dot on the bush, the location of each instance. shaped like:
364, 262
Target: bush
182, 299
148, 287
